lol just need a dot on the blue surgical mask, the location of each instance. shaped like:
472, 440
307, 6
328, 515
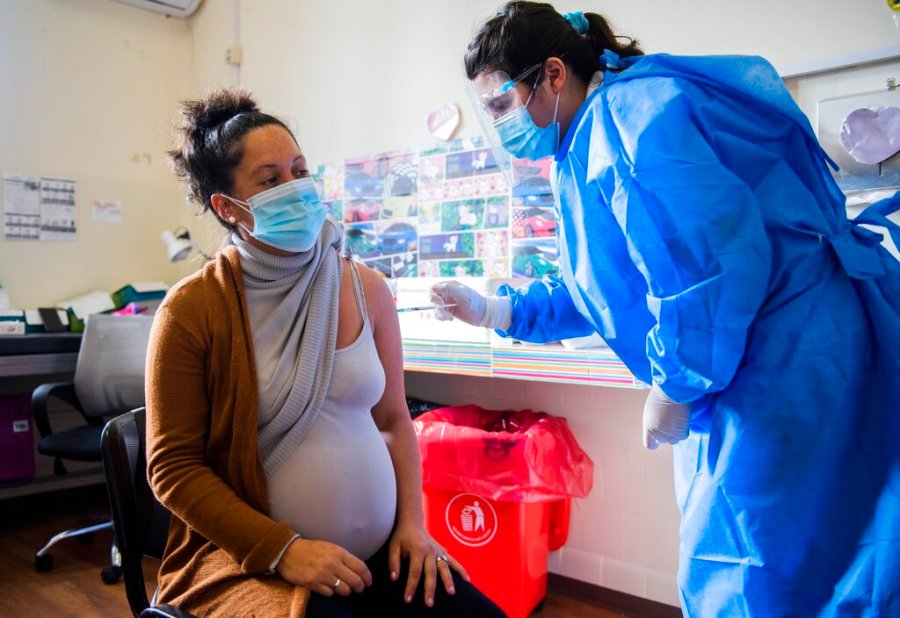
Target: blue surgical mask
525, 140
287, 217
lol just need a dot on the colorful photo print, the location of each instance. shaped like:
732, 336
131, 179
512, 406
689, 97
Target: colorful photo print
496, 212
447, 246
473, 142
329, 181
429, 268
471, 163
436, 148
364, 178
467, 268
463, 215
493, 244
542, 200
429, 218
406, 265
399, 207
402, 175
400, 186
533, 223
362, 209
531, 181
335, 209
498, 269
444, 211
360, 241
535, 258
399, 236
493, 184
394, 266
524, 169
475, 186
431, 179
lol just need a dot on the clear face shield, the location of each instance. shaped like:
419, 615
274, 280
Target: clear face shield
517, 143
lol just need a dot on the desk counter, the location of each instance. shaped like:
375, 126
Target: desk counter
38, 354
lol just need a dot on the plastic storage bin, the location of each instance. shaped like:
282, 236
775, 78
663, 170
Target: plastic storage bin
16, 437
497, 489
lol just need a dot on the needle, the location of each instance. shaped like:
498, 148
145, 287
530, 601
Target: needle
424, 307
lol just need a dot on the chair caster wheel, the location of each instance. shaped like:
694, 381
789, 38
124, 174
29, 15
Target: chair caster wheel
110, 575
43, 563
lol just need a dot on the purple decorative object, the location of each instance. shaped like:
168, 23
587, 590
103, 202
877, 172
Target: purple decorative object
16, 439
871, 136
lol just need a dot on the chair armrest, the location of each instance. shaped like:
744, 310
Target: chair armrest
40, 398
165, 611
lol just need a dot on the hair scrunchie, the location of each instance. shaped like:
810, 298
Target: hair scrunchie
578, 21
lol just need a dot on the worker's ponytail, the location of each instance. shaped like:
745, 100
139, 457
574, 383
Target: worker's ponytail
602, 37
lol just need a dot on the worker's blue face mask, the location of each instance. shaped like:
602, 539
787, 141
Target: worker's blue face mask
525, 140
287, 217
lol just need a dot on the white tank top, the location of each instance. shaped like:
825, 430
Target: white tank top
339, 484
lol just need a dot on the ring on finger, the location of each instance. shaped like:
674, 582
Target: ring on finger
336, 584
442, 557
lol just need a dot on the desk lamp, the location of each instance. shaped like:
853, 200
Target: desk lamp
178, 244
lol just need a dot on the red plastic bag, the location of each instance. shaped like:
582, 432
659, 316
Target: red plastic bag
514, 455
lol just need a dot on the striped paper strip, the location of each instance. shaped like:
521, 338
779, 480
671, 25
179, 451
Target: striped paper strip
552, 363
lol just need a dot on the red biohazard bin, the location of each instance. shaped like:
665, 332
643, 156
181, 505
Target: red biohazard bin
497, 494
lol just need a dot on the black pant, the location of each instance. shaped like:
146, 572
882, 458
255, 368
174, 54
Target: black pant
385, 597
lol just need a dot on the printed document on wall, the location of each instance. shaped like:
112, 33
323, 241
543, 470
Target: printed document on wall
57, 209
36, 208
21, 207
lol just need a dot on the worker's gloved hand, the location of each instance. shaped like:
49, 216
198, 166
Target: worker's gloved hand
459, 301
665, 422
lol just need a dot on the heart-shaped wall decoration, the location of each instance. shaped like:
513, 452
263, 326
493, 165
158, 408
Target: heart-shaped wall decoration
871, 135
442, 121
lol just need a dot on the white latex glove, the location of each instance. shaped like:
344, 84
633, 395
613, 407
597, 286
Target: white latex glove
665, 422
470, 306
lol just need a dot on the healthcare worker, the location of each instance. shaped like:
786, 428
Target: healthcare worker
702, 235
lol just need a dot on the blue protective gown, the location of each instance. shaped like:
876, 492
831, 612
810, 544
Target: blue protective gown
703, 237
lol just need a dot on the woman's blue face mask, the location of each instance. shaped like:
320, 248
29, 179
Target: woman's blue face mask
287, 217
525, 140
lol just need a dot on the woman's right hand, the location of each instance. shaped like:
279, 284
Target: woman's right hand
324, 568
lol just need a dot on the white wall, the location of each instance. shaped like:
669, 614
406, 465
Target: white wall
789, 33
352, 78
358, 77
811, 89
89, 92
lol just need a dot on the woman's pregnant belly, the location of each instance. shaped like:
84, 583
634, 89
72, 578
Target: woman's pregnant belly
339, 484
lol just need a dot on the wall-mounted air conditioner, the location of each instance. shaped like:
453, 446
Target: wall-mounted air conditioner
171, 8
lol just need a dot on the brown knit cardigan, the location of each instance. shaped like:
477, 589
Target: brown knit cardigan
202, 454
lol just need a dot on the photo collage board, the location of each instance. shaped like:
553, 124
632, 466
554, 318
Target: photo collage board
444, 211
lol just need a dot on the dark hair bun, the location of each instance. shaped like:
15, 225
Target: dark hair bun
208, 142
216, 109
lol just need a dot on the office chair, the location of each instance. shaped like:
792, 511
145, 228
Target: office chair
109, 379
140, 522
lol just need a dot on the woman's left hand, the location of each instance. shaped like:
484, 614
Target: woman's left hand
426, 558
